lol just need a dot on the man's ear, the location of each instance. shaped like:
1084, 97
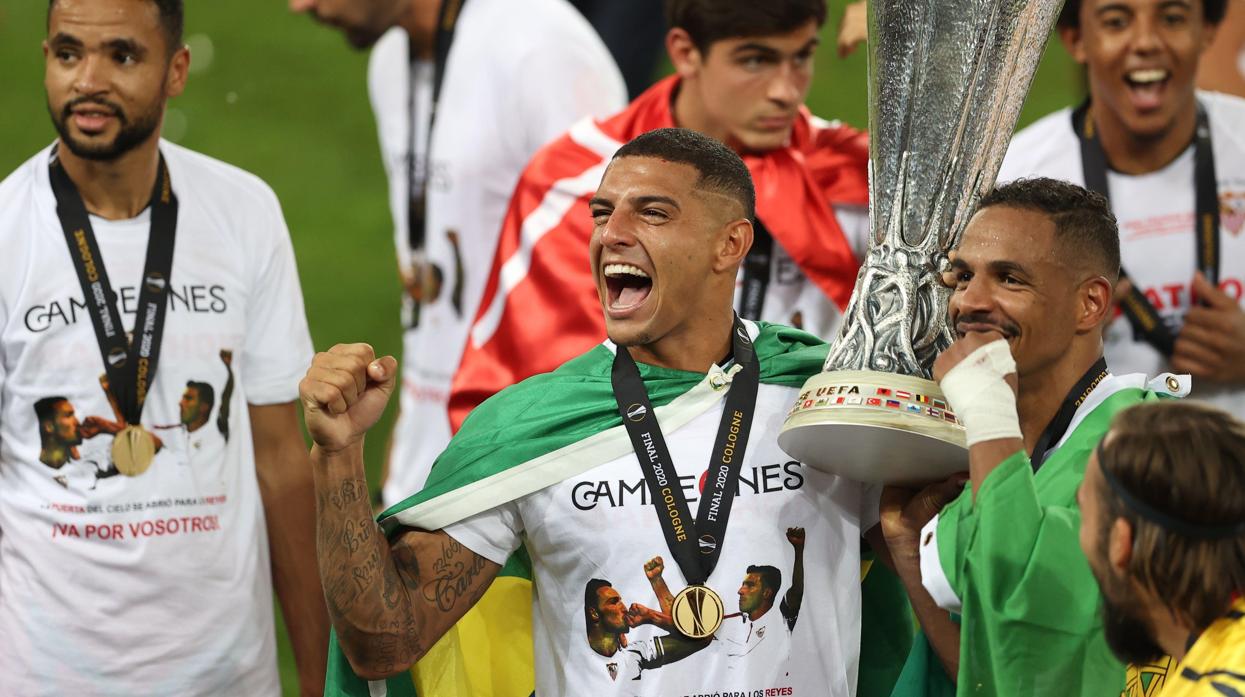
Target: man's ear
1071, 38
736, 240
1096, 304
594, 615
179, 70
684, 55
1120, 546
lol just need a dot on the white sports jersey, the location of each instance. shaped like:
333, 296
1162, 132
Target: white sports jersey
517, 75
1156, 218
765, 641
156, 584
601, 525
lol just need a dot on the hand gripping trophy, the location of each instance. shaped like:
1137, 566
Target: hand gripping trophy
946, 82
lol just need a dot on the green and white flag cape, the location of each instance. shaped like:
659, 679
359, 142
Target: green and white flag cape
1031, 618
554, 426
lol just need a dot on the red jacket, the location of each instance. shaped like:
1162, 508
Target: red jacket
540, 305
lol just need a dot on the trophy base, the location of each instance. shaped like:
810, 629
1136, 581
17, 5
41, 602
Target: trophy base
873, 427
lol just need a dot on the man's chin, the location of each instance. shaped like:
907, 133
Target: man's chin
360, 39
1127, 635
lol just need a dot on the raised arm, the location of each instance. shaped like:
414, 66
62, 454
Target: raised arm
790, 606
388, 600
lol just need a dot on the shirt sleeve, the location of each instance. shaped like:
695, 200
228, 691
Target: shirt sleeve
1030, 603
493, 534
870, 507
278, 344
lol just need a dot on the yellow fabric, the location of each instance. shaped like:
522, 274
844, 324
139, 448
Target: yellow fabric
1147, 680
489, 652
1215, 666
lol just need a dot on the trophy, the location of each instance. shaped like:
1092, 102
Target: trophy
946, 82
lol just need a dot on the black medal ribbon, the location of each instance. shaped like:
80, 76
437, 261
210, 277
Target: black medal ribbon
758, 266
417, 191
1140, 311
130, 365
695, 546
1058, 426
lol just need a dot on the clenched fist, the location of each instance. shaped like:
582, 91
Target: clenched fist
796, 537
344, 393
654, 567
962, 348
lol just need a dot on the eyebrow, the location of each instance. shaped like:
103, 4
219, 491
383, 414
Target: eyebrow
997, 267
126, 44
770, 50
63, 39
641, 201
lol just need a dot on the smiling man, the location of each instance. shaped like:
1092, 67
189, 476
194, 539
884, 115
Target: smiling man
680, 409
1031, 287
121, 571
1171, 160
742, 72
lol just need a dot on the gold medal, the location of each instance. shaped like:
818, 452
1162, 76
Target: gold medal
133, 449
697, 612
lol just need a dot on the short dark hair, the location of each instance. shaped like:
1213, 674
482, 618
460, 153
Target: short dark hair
1083, 219
172, 19
1070, 18
707, 21
45, 409
720, 169
207, 394
1186, 460
590, 593
771, 577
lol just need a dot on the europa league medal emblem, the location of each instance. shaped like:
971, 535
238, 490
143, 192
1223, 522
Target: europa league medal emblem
946, 82
697, 612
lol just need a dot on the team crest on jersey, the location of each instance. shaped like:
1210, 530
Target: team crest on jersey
760, 632
613, 669
1232, 211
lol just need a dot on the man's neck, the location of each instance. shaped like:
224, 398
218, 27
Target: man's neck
116, 189
1170, 633
604, 643
694, 347
1041, 395
759, 613
420, 23
56, 454
1130, 153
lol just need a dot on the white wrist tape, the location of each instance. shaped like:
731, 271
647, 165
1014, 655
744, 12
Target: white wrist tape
978, 391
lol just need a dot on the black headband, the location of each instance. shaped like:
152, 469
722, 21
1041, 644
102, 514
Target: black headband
1199, 531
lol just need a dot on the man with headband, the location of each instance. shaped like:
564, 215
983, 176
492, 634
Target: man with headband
1163, 526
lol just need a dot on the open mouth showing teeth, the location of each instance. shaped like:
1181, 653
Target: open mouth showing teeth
628, 285
1147, 85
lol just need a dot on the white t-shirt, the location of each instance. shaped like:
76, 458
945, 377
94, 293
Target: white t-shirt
601, 525
157, 584
1156, 218
517, 75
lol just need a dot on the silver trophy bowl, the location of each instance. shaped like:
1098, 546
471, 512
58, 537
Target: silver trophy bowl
947, 79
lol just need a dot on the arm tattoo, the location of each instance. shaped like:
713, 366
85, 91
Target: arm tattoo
453, 575
389, 600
